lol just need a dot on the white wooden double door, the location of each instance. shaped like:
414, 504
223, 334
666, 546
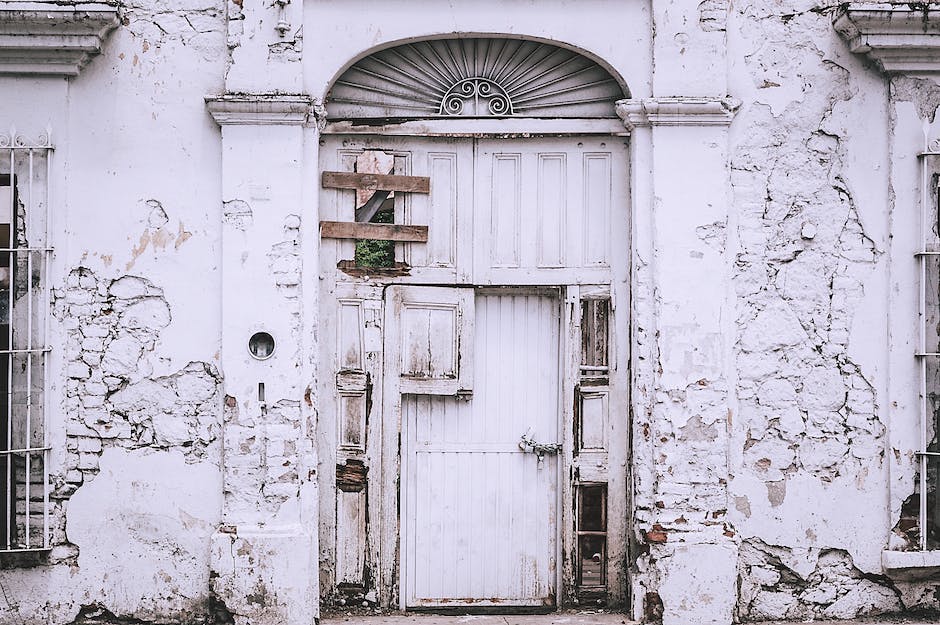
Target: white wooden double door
457, 513
480, 513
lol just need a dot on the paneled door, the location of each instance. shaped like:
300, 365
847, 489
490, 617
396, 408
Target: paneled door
480, 469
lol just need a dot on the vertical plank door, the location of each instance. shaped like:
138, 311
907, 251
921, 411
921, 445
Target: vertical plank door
480, 514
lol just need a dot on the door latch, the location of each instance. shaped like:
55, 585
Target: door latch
531, 446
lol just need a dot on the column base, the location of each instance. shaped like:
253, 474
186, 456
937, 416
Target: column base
266, 576
698, 583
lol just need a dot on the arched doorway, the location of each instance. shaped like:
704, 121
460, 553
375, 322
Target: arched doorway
475, 335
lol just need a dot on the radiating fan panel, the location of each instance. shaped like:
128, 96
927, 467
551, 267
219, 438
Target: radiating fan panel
476, 77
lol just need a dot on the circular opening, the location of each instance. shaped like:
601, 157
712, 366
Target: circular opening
261, 345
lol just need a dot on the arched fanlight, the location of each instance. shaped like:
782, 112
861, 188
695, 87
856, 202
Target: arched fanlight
474, 77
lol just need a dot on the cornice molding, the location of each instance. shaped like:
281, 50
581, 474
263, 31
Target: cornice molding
52, 39
901, 38
255, 109
677, 111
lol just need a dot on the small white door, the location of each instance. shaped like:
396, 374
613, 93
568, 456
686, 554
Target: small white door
481, 511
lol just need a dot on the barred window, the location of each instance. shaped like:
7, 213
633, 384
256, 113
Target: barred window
25, 167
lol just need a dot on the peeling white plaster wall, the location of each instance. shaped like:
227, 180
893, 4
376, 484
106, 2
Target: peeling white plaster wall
808, 453
135, 418
771, 454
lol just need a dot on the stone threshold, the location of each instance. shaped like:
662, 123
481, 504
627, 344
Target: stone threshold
557, 618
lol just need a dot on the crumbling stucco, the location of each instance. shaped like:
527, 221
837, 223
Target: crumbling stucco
112, 398
809, 441
160, 26
264, 475
759, 441
818, 584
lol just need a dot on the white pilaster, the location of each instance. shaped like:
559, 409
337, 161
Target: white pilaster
682, 303
265, 553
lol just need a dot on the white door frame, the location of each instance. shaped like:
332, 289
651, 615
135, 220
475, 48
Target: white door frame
386, 523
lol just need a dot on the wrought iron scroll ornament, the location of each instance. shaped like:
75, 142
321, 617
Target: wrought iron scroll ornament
474, 77
482, 96
16, 140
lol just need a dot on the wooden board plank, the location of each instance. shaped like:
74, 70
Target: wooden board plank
379, 232
375, 182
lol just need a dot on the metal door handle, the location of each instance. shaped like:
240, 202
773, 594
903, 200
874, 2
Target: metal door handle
530, 445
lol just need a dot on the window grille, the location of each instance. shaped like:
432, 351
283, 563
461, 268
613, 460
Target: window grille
25, 254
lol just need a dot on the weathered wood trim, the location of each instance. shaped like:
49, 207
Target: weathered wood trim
378, 232
482, 128
375, 182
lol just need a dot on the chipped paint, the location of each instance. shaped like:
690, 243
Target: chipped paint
773, 409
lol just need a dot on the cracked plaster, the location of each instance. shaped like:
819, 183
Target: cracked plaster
783, 459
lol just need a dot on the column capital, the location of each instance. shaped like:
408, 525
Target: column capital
677, 111
265, 109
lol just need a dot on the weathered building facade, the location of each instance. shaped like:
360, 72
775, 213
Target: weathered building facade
327, 302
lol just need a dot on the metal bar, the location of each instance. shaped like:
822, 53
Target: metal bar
45, 496
923, 503
30, 207
26, 450
922, 331
46, 307
932, 454
29, 386
30, 550
925, 354
25, 249
9, 433
926, 253
38, 350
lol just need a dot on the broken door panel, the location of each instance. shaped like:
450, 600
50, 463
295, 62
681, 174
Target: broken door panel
480, 512
595, 329
350, 537
443, 205
593, 420
432, 329
352, 420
